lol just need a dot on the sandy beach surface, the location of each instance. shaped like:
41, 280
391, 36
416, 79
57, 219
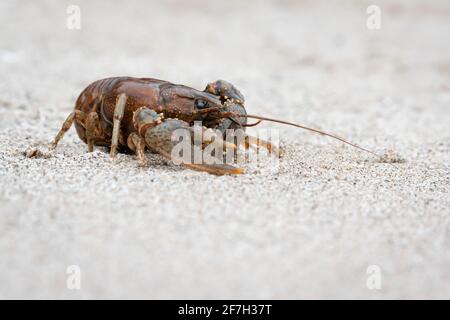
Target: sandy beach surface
327, 221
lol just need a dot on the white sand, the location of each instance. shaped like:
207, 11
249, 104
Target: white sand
308, 231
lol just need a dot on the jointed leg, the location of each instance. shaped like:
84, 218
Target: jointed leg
210, 136
76, 114
118, 115
137, 144
92, 123
253, 141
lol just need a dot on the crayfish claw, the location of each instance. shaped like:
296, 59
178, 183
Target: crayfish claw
226, 91
216, 169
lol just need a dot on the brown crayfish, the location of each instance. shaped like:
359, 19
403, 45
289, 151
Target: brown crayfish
135, 114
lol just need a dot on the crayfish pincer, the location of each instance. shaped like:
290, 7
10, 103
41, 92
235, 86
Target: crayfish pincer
135, 114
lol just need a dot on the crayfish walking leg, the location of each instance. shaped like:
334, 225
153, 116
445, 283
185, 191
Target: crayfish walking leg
75, 115
118, 115
137, 144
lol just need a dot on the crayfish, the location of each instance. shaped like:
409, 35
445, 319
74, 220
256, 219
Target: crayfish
135, 114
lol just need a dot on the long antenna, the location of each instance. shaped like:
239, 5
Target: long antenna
306, 128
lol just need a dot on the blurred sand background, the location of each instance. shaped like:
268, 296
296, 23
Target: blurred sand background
308, 231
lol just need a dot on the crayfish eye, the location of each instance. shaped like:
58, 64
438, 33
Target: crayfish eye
201, 104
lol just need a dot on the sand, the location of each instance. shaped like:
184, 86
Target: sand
309, 229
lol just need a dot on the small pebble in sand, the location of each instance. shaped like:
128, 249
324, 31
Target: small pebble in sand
390, 156
35, 153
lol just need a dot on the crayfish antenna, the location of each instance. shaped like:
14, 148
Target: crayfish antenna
310, 129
